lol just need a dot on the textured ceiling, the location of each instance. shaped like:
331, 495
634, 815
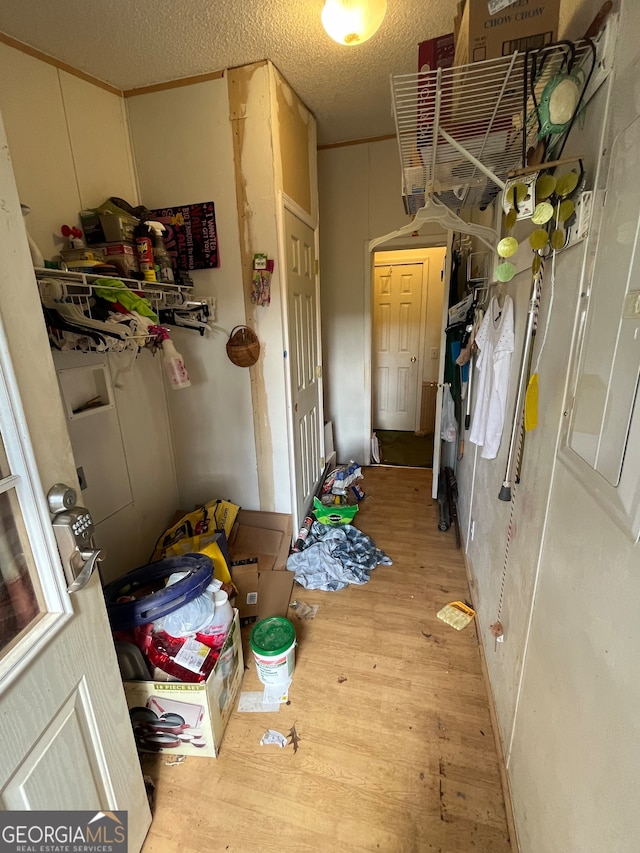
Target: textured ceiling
130, 43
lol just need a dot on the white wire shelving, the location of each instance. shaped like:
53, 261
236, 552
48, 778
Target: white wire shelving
78, 287
462, 130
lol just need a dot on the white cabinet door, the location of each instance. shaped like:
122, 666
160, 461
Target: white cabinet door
67, 742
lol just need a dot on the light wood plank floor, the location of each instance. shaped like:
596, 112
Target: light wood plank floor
397, 752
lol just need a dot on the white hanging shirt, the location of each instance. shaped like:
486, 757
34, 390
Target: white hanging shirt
495, 342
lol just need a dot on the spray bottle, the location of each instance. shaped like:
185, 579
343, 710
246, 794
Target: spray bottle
164, 270
173, 361
144, 237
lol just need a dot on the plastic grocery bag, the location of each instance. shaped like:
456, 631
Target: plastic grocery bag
205, 531
448, 427
213, 545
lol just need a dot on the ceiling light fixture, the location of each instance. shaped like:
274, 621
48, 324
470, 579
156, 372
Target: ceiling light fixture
351, 22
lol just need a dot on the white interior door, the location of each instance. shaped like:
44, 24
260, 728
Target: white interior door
397, 368
304, 363
67, 742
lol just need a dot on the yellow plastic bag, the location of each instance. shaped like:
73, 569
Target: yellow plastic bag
215, 515
195, 533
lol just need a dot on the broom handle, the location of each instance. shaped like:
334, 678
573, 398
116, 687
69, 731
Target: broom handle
467, 417
505, 491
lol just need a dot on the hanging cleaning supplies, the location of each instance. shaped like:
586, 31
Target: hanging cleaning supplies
173, 361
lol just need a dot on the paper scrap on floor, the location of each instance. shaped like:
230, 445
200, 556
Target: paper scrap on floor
253, 702
276, 693
304, 610
271, 736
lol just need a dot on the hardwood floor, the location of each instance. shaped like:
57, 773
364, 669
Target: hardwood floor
397, 752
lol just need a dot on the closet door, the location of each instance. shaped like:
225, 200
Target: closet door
304, 363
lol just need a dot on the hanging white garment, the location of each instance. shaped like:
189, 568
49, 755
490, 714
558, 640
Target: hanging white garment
495, 342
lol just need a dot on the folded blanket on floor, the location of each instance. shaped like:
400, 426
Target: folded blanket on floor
334, 557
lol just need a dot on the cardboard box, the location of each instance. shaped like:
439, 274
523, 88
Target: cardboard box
205, 707
522, 25
260, 543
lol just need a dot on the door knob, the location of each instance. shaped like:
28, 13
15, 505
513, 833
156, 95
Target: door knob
413, 359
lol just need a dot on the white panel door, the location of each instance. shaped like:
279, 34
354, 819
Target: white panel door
396, 344
304, 363
67, 741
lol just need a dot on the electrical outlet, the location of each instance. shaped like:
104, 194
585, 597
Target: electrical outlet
579, 230
435, 352
210, 301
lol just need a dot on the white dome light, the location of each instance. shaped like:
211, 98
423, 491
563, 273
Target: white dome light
351, 22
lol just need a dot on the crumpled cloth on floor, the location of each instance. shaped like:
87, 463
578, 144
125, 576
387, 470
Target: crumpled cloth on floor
334, 557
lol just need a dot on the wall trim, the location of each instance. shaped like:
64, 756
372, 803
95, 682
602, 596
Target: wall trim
57, 63
364, 141
173, 84
89, 78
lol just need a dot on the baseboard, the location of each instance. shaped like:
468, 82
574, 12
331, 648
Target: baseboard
504, 775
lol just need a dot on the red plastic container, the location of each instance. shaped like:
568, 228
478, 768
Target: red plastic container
184, 658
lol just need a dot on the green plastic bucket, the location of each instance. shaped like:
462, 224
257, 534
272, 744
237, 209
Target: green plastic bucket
273, 643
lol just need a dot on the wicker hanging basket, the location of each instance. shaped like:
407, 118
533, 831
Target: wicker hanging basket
243, 346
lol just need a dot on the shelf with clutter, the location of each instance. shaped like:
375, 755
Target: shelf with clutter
93, 313
125, 269
463, 131
103, 313
114, 289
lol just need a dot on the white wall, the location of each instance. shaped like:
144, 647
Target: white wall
69, 143
183, 154
201, 143
360, 198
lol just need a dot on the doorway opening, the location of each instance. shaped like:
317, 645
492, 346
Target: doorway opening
407, 299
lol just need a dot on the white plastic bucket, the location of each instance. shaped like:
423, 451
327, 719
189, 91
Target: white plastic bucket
273, 643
